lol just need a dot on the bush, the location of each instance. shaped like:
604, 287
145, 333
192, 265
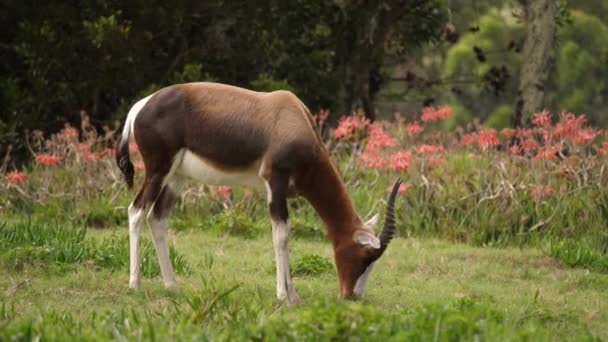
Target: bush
311, 265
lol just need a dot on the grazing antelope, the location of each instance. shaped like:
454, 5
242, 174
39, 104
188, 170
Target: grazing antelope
220, 134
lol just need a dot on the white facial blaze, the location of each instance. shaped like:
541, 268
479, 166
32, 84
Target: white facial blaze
362, 281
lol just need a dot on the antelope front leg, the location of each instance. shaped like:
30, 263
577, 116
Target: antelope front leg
277, 203
286, 290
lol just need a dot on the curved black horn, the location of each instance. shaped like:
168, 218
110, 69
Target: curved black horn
388, 231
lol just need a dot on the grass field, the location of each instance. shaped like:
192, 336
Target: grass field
495, 242
423, 289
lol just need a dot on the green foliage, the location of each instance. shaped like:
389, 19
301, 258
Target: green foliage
33, 243
577, 80
496, 31
113, 253
60, 57
500, 118
61, 246
579, 254
311, 265
462, 320
234, 222
265, 82
580, 67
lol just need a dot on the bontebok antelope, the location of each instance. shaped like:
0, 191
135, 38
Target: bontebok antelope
224, 135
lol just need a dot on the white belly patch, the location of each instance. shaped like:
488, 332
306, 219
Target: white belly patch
189, 165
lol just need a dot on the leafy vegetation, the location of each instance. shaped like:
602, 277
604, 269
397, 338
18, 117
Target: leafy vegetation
59, 247
522, 255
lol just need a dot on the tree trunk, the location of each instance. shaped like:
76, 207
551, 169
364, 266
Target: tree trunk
537, 54
360, 52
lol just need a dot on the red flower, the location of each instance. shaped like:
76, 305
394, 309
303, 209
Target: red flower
488, 137
469, 138
516, 149
139, 165
437, 162
401, 160
540, 192
91, 156
48, 159
222, 190
348, 124
106, 152
435, 114
541, 119
371, 158
133, 147
378, 137
84, 147
547, 153
604, 148
530, 145
571, 127
16, 177
429, 149
402, 188
508, 132
414, 128
69, 132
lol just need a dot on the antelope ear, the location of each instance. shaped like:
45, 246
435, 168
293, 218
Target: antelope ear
371, 223
366, 238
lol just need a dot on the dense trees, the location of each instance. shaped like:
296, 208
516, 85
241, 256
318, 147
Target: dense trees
60, 57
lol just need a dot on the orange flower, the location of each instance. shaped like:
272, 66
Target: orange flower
435, 114
437, 162
469, 139
378, 137
371, 158
401, 160
16, 177
541, 119
547, 153
91, 156
348, 124
429, 149
414, 128
222, 190
488, 137
48, 159
402, 188
508, 132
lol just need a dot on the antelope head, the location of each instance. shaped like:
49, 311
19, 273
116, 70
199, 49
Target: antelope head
356, 256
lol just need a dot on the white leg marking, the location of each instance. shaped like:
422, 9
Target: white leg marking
159, 233
134, 233
285, 287
268, 192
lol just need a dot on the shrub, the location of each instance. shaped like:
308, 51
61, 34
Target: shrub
311, 265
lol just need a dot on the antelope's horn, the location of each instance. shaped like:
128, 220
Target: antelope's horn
388, 230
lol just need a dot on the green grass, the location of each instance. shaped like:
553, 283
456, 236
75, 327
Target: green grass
422, 289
